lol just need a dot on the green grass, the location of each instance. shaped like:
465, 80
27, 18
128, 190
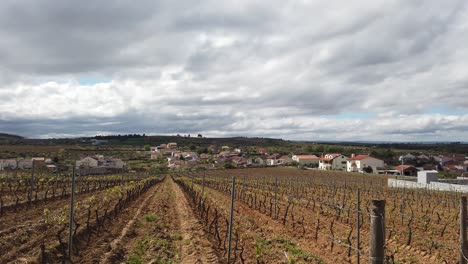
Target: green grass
295, 253
134, 259
150, 217
139, 250
262, 247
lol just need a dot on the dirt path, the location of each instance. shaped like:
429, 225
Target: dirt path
196, 248
115, 243
103, 242
164, 229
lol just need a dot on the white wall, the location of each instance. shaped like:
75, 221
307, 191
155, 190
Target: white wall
339, 163
360, 164
438, 186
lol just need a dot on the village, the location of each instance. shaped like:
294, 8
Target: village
172, 156
229, 157
97, 164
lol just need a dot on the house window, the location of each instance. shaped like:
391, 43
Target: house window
343, 162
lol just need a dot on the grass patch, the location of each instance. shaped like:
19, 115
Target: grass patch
262, 247
139, 250
296, 254
134, 259
150, 217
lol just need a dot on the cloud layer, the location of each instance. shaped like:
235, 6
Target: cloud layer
392, 70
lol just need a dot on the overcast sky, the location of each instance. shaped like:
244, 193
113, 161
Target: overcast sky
313, 70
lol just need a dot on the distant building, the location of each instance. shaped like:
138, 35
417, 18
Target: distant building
334, 161
24, 164
272, 160
407, 157
285, 160
306, 159
407, 170
171, 145
8, 164
363, 163
158, 151
88, 162
423, 157
97, 142
444, 160
259, 161
115, 163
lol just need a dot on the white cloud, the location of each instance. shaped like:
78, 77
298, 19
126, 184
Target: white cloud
284, 69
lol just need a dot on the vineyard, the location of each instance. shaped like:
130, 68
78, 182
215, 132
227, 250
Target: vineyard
34, 212
313, 216
278, 216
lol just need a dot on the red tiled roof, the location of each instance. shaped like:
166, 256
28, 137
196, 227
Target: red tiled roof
358, 157
307, 157
330, 156
403, 167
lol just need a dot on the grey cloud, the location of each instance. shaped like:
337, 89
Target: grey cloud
233, 68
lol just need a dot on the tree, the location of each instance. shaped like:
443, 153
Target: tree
200, 135
368, 169
147, 148
229, 166
201, 150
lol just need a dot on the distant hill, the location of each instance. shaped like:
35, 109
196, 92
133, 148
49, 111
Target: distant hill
200, 141
5, 136
9, 138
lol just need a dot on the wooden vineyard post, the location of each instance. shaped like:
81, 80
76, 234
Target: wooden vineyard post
231, 218
203, 185
402, 209
358, 237
72, 213
463, 244
377, 232
193, 179
31, 185
276, 198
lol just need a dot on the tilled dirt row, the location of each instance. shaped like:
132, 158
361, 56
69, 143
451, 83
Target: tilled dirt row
163, 230
102, 246
27, 244
22, 232
273, 242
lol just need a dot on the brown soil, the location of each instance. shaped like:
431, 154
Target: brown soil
197, 248
270, 240
163, 229
106, 241
22, 232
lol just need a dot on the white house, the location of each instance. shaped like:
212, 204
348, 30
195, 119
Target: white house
259, 161
155, 152
24, 164
87, 162
363, 163
334, 161
284, 160
272, 160
423, 157
8, 164
408, 156
115, 163
171, 145
306, 159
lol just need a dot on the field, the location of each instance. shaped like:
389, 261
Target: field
316, 216
281, 215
